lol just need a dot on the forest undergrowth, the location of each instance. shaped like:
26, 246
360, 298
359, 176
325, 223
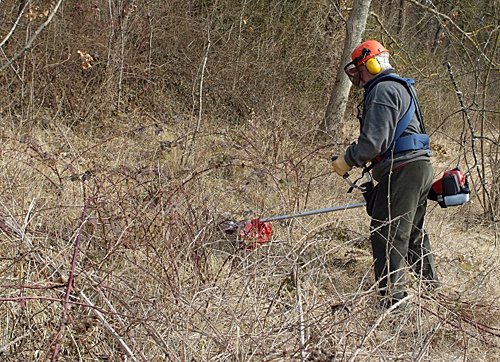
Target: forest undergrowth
133, 134
121, 249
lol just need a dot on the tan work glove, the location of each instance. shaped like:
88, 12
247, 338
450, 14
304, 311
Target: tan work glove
340, 166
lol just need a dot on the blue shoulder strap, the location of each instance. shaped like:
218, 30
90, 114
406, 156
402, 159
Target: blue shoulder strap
409, 142
402, 125
407, 82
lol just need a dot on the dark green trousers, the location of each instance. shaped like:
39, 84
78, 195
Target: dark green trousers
399, 241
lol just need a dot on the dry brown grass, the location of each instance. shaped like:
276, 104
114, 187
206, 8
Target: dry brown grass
156, 279
116, 186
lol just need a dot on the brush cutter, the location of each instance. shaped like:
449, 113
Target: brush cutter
258, 231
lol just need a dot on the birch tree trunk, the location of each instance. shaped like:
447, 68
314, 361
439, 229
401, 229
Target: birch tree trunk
355, 28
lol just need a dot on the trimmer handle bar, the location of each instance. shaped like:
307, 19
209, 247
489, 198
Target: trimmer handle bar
353, 184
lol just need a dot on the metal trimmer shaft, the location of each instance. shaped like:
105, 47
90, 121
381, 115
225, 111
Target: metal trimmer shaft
314, 212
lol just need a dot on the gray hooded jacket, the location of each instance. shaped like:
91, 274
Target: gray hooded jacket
385, 105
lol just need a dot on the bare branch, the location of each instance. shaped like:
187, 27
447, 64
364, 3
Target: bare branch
33, 37
14, 341
69, 287
375, 325
200, 105
7, 37
474, 139
338, 11
450, 20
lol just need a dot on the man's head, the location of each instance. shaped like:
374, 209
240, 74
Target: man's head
368, 59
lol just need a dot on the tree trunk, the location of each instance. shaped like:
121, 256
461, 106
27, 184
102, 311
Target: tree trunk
355, 28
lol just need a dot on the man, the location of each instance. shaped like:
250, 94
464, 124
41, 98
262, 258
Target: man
402, 168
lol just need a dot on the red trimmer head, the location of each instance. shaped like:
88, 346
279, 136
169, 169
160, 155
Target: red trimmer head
256, 233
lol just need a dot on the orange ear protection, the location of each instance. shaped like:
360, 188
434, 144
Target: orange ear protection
373, 66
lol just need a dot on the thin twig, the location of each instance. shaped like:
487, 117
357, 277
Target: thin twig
473, 146
375, 325
339, 13
71, 277
13, 225
300, 307
450, 20
427, 341
200, 111
14, 341
27, 217
7, 37
35, 35
110, 328
458, 327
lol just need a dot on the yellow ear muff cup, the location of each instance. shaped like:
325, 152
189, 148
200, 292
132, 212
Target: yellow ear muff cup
373, 66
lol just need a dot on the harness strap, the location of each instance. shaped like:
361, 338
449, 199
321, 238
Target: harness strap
408, 142
401, 127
